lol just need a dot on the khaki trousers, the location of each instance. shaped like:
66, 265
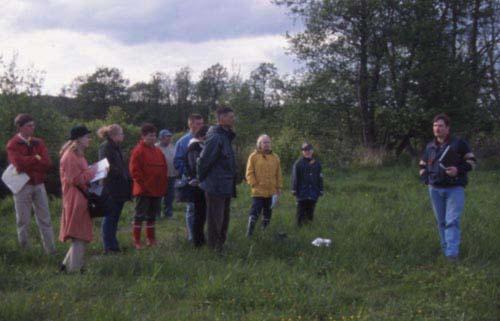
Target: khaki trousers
34, 196
74, 258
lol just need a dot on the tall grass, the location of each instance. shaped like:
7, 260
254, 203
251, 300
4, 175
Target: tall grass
384, 263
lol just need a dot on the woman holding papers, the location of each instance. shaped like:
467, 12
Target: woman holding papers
76, 224
117, 183
263, 174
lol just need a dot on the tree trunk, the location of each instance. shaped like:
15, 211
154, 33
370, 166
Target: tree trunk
367, 115
473, 52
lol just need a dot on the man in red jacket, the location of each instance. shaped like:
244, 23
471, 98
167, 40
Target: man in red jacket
29, 155
149, 172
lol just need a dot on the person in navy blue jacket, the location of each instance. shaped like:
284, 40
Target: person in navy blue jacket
444, 167
307, 184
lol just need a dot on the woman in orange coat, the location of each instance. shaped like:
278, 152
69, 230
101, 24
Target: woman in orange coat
76, 224
149, 171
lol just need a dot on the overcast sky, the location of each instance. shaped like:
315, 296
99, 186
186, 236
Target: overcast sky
68, 38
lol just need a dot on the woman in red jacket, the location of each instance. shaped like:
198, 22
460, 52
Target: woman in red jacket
149, 171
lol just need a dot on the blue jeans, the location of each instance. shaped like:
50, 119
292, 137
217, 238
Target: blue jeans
110, 226
168, 200
448, 205
190, 217
261, 204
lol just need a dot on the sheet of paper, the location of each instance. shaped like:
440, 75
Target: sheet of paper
102, 169
14, 180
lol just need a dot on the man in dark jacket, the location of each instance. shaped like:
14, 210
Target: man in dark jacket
307, 184
444, 168
216, 173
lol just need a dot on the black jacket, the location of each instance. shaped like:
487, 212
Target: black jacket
307, 179
118, 182
216, 166
435, 175
192, 193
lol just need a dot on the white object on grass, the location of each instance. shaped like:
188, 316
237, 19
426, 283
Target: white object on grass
321, 242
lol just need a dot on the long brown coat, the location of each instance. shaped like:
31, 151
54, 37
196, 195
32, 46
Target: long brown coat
75, 217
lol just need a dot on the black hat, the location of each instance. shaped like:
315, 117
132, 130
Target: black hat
306, 146
78, 131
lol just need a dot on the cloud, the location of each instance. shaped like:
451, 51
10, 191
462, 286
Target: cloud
67, 40
133, 22
63, 55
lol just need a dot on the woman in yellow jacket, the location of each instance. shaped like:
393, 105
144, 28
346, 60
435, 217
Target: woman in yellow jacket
263, 174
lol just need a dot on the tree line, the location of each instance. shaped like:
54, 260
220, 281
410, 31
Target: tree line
375, 74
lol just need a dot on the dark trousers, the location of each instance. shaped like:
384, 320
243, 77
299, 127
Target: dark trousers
168, 199
110, 226
261, 204
147, 208
217, 219
305, 211
200, 214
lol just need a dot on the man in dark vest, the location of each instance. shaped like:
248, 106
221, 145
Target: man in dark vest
444, 167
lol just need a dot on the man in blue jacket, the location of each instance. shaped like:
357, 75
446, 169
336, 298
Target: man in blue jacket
216, 172
195, 122
444, 167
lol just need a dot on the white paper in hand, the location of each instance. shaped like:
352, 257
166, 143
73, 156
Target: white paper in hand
102, 170
275, 201
14, 180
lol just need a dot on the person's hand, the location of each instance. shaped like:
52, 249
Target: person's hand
294, 193
93, 170
38, 157
451, 171
194, 182
422, 172
278, 192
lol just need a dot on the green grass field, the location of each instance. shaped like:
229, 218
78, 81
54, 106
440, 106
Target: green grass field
384, 263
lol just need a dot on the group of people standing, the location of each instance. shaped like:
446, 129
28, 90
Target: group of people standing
201, 172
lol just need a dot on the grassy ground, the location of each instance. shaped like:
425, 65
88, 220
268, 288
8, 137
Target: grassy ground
384, 263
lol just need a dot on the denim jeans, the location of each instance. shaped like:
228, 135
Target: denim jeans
168, 200
261, 204
200, 216
190, 220
110, 226
448, 205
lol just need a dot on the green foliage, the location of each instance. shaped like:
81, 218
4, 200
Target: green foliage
397, 64
384, 263
115, 116
287, 146
51, 125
